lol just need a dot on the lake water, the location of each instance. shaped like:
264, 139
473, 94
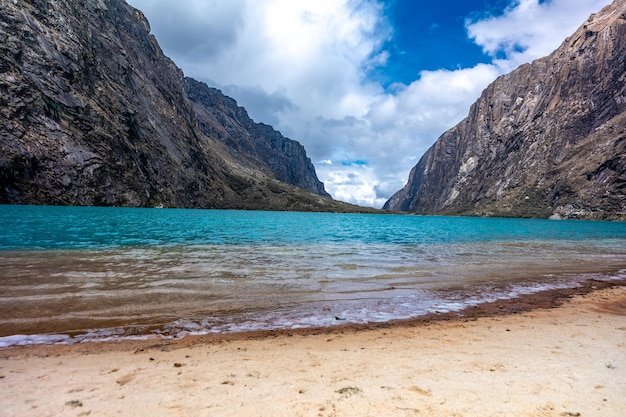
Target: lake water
73, 274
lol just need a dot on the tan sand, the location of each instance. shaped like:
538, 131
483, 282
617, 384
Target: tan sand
566, 361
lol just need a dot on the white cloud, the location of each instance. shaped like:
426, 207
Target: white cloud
314, 50
529, 29
394, 130
433, 103
303, 66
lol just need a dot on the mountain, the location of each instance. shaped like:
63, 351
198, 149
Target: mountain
255, 144
93, 113
546, 140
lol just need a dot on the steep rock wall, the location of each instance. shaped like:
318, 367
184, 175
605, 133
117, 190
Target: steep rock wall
93, 113
548, 139
257, 144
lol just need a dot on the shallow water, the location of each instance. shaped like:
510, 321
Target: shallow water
71, 274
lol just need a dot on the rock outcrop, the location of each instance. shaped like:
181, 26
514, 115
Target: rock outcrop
93, 113
546, 140
256, 145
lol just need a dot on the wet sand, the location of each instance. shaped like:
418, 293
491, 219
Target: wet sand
556, 353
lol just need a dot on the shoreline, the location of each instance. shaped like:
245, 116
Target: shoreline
522, 358
545, 299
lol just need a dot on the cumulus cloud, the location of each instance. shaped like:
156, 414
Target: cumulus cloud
314, 50
382, 146
529, 29
303, 66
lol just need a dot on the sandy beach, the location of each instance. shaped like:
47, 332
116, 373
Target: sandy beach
520, 359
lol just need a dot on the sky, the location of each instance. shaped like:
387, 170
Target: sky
367, 86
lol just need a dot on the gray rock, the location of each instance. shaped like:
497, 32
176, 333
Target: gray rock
547, 139
93, 113
256, 144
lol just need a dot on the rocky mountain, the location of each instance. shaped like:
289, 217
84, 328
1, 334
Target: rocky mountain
548, 139
255, 145
93, 113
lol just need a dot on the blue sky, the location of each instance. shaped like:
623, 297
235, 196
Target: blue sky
365, 85
432, 36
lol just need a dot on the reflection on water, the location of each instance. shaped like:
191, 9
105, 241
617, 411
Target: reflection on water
122, 276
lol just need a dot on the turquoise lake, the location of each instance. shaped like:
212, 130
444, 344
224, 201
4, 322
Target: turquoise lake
73, 274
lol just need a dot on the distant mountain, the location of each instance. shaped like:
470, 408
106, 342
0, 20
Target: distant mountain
93, 113
255, 145
548, 139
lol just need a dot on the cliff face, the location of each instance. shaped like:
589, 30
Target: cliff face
254, 144
548, 139
93, 113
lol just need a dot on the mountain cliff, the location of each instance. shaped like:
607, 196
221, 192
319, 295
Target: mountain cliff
254, 144
546, 140
93, 113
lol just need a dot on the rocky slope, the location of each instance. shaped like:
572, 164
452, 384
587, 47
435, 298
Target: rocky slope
548, 139
255, 145
93, 113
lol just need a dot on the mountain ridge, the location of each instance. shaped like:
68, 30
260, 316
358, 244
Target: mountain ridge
259, 144
93, 113
545, 140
